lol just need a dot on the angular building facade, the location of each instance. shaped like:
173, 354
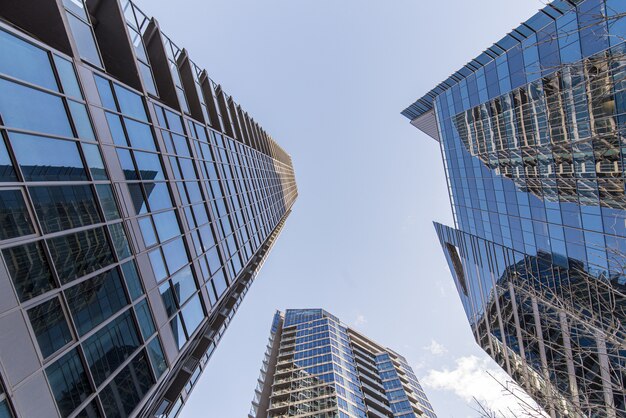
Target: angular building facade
533, 138
315, 366
137, 203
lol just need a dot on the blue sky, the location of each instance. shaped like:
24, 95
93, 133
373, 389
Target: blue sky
328, 79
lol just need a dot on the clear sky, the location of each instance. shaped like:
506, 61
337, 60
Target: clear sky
328, 80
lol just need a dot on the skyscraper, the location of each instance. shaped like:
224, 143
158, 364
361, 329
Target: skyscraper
315, 366
532, 134
137, 203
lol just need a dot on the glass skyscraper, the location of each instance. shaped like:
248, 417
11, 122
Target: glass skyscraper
315, 366
533, 139
137, 203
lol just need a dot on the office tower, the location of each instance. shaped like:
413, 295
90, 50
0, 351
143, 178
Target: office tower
315, 366
532, 134
137, 203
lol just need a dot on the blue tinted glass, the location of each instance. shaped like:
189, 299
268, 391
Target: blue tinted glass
192, 314
139, 201
157, 359
132, 279
184, 285
115, 126
167, 294
166, 225
158, 266
7, 172
149, 166
158, 196
19, 103
120, 241
50, 326
146, 75
140, 135
106, 95
68, 77
29, 270
25, 61
219, 282
84, 40
81, 120
133, 381
126, 162
64, 207
14, 217
68, 382
94, 161
94, 301
178, 331
144, 317
131, 103
147, 230
175, 255
107, 201
47, 159
173, 121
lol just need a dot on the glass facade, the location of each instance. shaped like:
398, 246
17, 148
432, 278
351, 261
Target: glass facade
532, 134
131, 224
316, 366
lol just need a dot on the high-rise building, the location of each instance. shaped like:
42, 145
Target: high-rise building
532, 134
137, 203
315, 366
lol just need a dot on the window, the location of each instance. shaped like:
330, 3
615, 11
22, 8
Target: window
106, 350
166, 225
82, 123
149, 166
157, 359
29, 270
94, 161
458, 266
147, 230
158, 266
126, 161
136, 195
168, 298
184, 285
158, 196
131, 103
132, 279
175, 255
68, 382
115, 126
7, 172
120, 241
50, 326
106, 94
64, 207
15, 220
107, 201
47, 159
90, 411
78, 254
18, 103
84, 40
68, 77
144, 317
25, 61
140, 135
93, 301
178, 331
193, 314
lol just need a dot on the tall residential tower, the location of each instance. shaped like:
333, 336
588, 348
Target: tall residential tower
137, 203
317, 367
533, 138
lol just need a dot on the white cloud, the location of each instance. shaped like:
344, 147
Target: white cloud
360, 320
476, 378
436, 348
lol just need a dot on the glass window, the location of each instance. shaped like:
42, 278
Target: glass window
144, 317
140, 135
15, 220
64, 207
68, 382
208, 241
178, 331
193, 314
107, 201
158, 266
175, 255
106, 95
107, 349
81, 120
84, 40
219, 282
147, 230
121, 396
18, 103
50, 326
7, 172
184, 285
126, 161
90, 411
94, 161
76, 255
168, 298
158, 196
136, 196
120, 241
148, 81
25, 61
68, 77
149, 166
117, 132
132, 279
94, 301
131, 103
166, 225
47, 159
76, 6
157, 359
29, 270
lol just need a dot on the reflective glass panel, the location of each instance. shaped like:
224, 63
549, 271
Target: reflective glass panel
184, 285
126, 161
175, 255
115, 126
139, 202
140, 135
158, 266
178, 331
29, 270
192, 314
149, 166
106, 95
68, 382
64, 207
107, 201
94, 161
131, 103
157, 359
147, 230
90, 411
166, 225
144, 317
68, 77
15, 220
84, 40
81, 120
158, 196
50, 326
25, 61
47, 159
132, 279
7, 172
168, 298
120, 241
